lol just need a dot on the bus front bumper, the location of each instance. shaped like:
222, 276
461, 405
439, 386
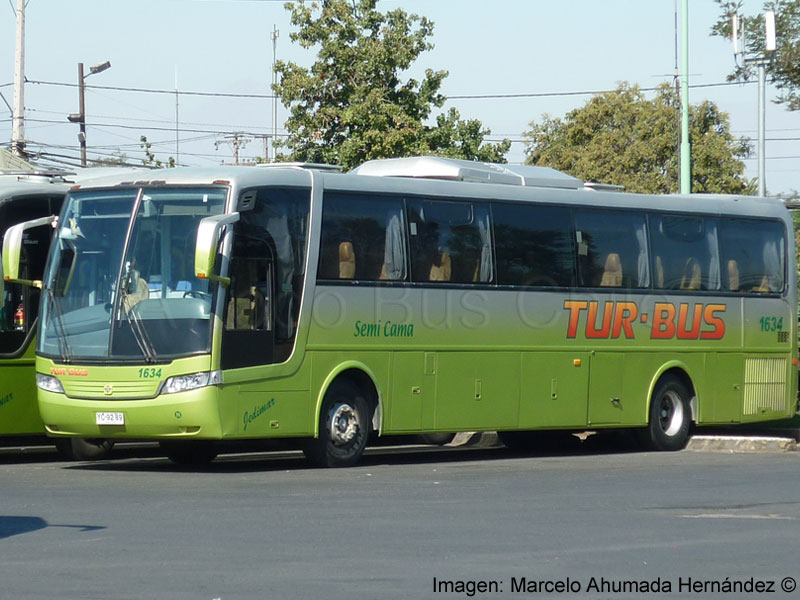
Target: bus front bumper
192, 414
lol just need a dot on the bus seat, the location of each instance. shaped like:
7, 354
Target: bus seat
347, 261
612, 274
733, 276
443, 270
659, 273
692, 276
246, 310
763, 288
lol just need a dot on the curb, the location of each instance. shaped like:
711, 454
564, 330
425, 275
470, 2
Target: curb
697, 443
730, 443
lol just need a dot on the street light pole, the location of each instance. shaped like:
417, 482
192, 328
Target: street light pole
274, 37
82, 113
80, 117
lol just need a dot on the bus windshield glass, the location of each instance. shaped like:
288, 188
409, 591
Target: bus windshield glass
120, 283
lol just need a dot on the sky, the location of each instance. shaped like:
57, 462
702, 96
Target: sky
541, 49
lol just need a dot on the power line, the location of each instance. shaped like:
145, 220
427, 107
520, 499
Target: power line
152, 128
450, 97
154, 91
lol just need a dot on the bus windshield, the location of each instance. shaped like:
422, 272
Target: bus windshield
120, 283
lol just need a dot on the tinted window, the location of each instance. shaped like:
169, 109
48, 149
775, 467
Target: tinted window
611, 248
533, 245
362, 238
280, 220
19, 305
685, 254
450, 241
752, 258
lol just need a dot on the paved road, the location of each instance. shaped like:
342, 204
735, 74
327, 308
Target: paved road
266, 526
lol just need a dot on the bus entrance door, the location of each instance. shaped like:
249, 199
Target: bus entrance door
248, 338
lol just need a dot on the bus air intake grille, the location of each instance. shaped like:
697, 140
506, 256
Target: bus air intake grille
111, 390
765, 385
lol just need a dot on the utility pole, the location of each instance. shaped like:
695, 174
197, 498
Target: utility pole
18, 118
761, 63
274, 37
177, 130
686, 149
236, 141
80, 117
82, 113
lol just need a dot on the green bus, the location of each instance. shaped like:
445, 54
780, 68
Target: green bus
408, 296
28, 196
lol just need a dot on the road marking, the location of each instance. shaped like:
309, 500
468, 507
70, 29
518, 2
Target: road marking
737, 516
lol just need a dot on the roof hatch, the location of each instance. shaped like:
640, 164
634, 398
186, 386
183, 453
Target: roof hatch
434, 167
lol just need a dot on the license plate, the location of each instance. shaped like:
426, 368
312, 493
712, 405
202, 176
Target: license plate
110, 418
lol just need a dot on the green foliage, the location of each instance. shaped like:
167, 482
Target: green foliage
784, 70
622, 138
353, 104
150, 159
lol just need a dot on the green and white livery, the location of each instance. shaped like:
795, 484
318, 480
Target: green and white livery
408, 296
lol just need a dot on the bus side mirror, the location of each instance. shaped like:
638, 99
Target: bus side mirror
205, 253
12, 249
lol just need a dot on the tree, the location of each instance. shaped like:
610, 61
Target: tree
353, 104
150, 159
622, 138
784, 69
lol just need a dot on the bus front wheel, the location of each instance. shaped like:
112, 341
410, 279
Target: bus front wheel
343, 427
670, 416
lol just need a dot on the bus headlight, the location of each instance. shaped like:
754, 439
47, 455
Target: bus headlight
48, 383
184, 383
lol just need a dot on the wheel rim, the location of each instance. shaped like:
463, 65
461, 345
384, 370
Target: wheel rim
342, 423
670, 413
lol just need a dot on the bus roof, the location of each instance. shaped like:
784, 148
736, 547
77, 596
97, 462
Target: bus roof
448, 178
14, 186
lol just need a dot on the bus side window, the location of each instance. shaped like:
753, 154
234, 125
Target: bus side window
363, 238
450, 241
687, 252
534, 245
756, 267
612, 249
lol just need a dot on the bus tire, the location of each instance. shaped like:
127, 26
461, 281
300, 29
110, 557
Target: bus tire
189, 452
669, 416
344, 427
84, 448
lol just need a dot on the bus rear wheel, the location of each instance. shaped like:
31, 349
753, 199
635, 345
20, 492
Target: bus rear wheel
343, 427
84, 448
670, 416
190, 452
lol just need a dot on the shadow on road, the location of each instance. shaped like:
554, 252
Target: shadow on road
271, 458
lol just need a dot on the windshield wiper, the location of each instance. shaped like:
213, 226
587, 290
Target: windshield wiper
140, 334
61, 331
138, 330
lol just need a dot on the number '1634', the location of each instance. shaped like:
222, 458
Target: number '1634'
771, 323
